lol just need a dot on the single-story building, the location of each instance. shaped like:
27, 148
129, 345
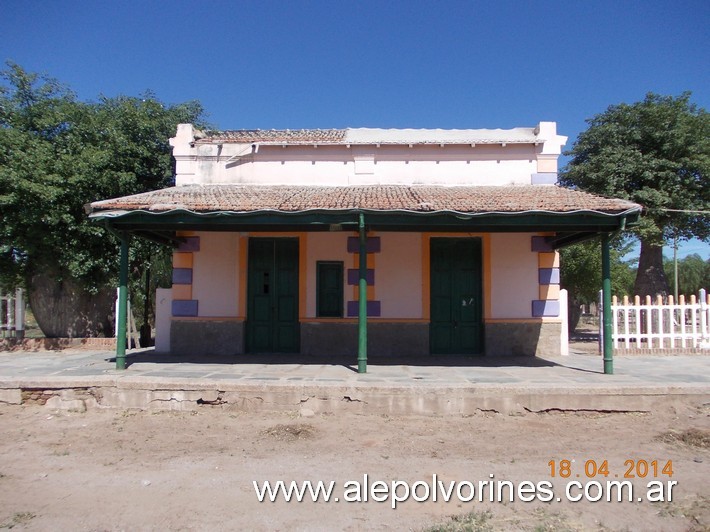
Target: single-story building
422, 241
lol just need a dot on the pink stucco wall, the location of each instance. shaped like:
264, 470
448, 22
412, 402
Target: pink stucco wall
338, 165
215, 281
398, 275
514, 272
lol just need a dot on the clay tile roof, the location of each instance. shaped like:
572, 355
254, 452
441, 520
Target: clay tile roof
287, 136
370, 136
287, 198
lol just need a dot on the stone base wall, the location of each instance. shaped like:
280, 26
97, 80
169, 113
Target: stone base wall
523, 339
337, 339
206, 337
383, 339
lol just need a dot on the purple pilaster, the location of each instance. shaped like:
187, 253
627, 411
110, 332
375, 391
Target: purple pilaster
540, 244
545, 308
549, 275
190, 243
373, 308
184, 308
354, 276
182, 275
373, 244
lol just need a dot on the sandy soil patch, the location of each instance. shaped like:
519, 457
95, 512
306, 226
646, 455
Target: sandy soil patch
131, 470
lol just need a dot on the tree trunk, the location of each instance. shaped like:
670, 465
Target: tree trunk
651, 279
63, 309
574, 313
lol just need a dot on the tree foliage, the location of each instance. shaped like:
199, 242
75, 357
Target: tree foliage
693, 274
57, 154
657, 153
581, 274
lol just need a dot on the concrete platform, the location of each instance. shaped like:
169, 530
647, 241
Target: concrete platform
423, 385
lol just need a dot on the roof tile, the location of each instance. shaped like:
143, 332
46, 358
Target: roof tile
287, 136
370, 136
424, 198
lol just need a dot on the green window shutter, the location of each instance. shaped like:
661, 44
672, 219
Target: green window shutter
329, 289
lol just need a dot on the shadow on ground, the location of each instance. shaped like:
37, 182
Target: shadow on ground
149, 356
585, 336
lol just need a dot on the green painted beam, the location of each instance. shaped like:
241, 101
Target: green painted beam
567, 239
394, 220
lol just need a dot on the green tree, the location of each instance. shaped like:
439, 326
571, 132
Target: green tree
581, 274
655, 152
56, 155
693, 274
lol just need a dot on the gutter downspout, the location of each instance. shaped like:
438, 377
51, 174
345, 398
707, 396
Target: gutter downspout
362, 300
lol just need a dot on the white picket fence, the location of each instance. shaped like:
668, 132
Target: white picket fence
12, 314
662, 325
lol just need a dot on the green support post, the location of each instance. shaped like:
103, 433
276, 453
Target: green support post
122, 305
608, 348
362, 301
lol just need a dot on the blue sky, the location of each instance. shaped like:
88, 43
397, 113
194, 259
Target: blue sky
309, 64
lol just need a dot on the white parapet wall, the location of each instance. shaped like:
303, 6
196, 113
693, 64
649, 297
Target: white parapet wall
163, 305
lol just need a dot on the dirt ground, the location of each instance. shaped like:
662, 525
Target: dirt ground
136, 470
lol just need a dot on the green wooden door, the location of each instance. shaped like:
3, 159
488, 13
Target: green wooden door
329, 289
272, 307
456, 296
